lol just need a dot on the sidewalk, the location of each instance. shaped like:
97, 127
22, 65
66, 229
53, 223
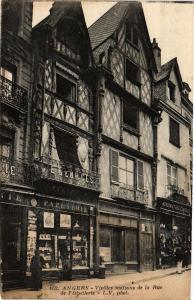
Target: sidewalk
109, 281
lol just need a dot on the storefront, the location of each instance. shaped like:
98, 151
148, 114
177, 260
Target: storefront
173, 229
14, 209
126, 239
63, 231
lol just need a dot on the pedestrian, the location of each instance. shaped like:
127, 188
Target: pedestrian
37, 263
186, 253
179, 259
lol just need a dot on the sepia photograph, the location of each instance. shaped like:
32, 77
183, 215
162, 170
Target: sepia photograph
96, 142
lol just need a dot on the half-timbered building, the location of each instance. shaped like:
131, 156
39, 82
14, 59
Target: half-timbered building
126, 126
65, 177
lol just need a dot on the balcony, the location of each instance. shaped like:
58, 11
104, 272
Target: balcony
12, 94
51, 169
128, 193
175, 193
14, 172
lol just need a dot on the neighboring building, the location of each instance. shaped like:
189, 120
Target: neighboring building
126, 216
15, 78
173, 224
65, 178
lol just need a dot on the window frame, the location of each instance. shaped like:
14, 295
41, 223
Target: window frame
172, 122
170, 177
71, 81
130, 29
130, 64
171, 89
129, 127
127, 185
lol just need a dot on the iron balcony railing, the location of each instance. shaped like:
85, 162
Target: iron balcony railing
13, 94
14, 172
175, 193
122, 191
47, 168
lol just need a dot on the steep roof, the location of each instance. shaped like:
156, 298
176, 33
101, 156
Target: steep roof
59, 10
165, 70
66, 9
106, 25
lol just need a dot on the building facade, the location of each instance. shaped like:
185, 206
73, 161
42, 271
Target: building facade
16, 185
173, 223
127, 124
65, 177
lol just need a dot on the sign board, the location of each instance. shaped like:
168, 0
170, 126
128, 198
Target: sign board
48, 220
65, 221
105, 252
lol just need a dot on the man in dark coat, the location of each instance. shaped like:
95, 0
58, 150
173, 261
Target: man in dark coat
36, 270
186, 254
179, 259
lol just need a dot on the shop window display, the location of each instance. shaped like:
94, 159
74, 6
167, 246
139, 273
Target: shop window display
171, 237
63, 241
79, 243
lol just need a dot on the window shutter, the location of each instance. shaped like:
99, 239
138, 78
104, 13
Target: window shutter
114, 161
140, 177
168, 174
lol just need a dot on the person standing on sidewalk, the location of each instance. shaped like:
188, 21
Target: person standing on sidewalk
186, 253
36, 270
179, 259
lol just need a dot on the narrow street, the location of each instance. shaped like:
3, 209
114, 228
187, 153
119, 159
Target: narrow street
173, 287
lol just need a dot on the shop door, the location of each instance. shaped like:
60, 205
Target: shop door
147, 251
11, 244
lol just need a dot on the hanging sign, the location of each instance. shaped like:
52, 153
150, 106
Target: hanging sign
48, 220
65, 221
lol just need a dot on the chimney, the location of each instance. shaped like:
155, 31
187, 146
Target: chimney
157, 54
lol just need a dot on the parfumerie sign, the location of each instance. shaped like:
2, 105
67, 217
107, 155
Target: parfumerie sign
175, 207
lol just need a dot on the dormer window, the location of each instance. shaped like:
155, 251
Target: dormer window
132, 35
132, 72
171, 89
102, 58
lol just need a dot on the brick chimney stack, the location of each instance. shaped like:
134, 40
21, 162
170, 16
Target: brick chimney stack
157, 54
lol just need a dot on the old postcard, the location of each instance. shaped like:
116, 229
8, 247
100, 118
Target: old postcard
96, 149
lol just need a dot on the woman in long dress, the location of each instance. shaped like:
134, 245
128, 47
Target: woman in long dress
36, 270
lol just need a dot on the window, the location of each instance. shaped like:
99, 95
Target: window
171, 88
130, 116
6, 74
131, 245
126, 171
102, 58
65, 88
171, 175
132, 35
118, 253
118, 245
174, 133
11, 15
132, 72
140, 178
